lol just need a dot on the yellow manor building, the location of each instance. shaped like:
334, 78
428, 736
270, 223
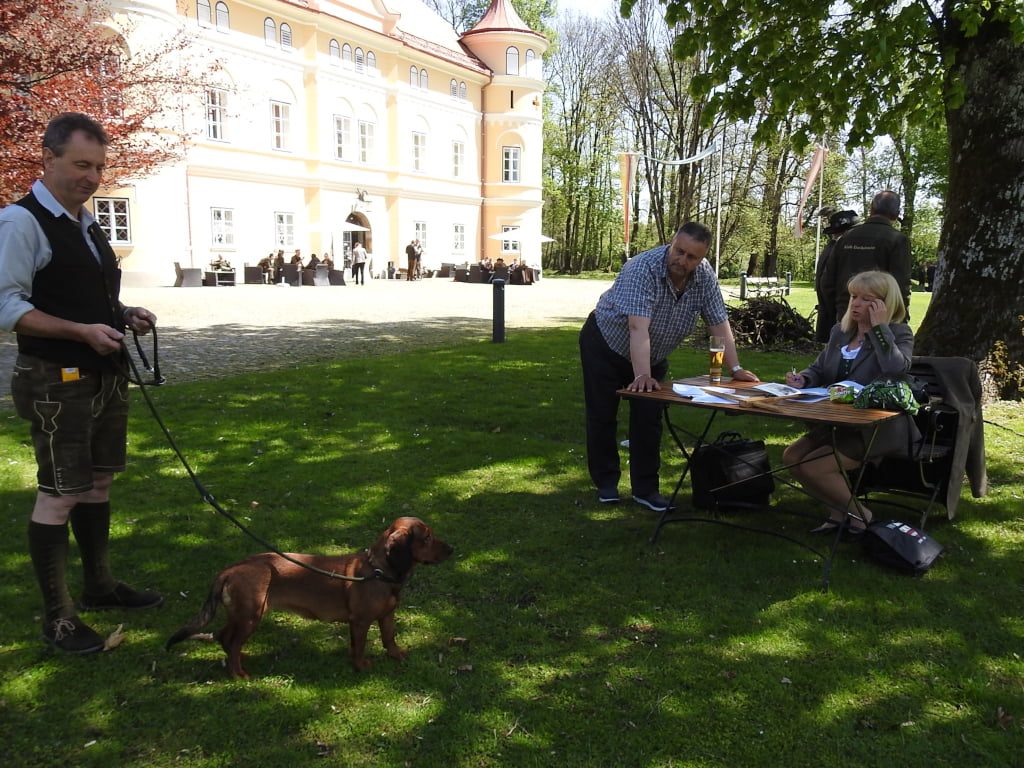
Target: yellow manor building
331, 122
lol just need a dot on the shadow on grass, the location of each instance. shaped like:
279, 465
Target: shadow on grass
556, 635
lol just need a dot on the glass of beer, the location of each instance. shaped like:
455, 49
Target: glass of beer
716, 356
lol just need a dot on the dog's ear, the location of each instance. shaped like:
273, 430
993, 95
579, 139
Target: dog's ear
399, 551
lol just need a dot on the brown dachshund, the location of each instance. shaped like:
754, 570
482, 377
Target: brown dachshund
267, 581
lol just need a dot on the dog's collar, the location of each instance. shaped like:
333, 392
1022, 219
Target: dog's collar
379, 573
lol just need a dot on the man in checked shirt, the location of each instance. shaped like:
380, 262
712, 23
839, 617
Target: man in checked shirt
650, 308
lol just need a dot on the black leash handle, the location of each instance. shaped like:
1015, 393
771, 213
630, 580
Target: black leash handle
204, 494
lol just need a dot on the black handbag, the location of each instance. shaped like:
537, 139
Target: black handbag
740, 465
901, 546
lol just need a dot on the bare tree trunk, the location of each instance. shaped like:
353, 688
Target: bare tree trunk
977, 309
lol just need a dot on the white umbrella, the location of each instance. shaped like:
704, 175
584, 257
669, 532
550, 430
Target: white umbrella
348, 226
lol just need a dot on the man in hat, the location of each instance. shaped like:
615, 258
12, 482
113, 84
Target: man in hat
838, 223
875, 244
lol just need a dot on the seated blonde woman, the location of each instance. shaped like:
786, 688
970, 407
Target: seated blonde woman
870, 340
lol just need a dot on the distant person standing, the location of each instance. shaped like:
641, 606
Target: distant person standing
838, 224
875, 244
412, 252
358, 263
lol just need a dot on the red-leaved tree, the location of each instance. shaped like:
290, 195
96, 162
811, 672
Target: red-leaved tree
62, 55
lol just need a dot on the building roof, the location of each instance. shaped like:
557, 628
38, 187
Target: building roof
501, 17
421, 28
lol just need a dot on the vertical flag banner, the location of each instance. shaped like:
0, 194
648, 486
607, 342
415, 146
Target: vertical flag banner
627, 176
817, 164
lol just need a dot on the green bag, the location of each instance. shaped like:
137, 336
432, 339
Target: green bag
889, 393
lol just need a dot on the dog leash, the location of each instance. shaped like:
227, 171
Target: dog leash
205, 494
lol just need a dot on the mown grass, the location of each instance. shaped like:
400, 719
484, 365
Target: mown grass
557, 635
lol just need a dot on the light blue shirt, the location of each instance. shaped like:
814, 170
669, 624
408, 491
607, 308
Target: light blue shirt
25, 249
643, 289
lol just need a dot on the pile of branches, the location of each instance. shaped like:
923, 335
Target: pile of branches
771, 324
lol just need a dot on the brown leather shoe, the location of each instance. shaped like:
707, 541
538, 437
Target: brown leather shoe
121, 596
72, 635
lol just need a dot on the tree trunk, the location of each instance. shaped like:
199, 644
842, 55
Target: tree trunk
977, 309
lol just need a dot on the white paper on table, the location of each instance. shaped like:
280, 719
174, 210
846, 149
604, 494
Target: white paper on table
702, 394
775, 390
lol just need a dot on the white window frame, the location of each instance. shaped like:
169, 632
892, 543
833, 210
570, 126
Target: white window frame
346, 55
222, 228
280, 125
359, 58
458, 238
284, 229
463, 94
531, 63
342, 137
334, 51
222, 12
204, 13
367, 149
424, 80
371, 62
216, 107
269, 32
285, 33
511, 60
458, 158
420, 230
419, 151
111, 220
511, 165
414, 77
510, 246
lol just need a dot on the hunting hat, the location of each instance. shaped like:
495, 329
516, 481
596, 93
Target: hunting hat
840, 222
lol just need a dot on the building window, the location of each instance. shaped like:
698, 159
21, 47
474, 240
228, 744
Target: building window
458, 237
334, 51
419, 151
360, 61
531, 60
286, 36
420, 228
216, 100
223, 17
279, 124
346, 54
269, 31
511, 60
423, 80
365, 141
112, 218
203, 12
222, 227
458, 158
453, 88
342, 137
462, 91
510, 246
284, 229
371, 61
414, 77
510, 165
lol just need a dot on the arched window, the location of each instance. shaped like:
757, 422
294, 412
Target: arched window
346, 54
223, 17
453, 88
462, 90
203, 11
360, 61
286, 35
269, 31
334, 51
423, 79
371, 60
414, 77
511, 60
530, 63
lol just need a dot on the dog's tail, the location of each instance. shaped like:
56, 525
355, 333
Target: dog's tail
201, 619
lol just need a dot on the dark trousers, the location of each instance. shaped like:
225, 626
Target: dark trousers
604, 372
358, 274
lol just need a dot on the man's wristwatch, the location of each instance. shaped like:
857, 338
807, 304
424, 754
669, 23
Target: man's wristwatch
737, 368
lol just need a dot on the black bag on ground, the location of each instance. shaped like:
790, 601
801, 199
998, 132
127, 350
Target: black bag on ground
731, 459
901, 546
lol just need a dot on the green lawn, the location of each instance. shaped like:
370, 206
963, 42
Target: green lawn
556, 636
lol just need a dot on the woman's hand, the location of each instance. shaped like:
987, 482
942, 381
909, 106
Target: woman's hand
877, 312
796, 380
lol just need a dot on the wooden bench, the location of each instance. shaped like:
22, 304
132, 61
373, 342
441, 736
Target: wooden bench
764, 286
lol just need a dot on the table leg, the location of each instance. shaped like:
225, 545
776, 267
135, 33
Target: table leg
666, 516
